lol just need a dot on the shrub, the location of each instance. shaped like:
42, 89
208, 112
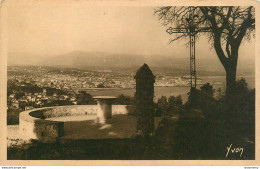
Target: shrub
84, 98
169, 107
124, 100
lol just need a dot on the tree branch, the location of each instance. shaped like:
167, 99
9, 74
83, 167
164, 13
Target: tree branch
246, 23
217, 45
177, 38
212, 20
227, 48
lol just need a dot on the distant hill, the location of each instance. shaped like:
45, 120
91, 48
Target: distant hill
94, 59
103, 61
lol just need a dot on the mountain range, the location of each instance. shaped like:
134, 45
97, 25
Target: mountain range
99, 60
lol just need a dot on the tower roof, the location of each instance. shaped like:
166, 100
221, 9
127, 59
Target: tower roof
144, 72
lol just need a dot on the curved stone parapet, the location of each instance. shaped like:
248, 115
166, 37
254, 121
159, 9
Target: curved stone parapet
34, 123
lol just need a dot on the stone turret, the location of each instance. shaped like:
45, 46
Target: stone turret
144, 99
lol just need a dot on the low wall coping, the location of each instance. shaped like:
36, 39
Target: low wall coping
25, 115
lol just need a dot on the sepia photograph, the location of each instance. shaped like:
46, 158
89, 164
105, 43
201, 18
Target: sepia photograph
130, 82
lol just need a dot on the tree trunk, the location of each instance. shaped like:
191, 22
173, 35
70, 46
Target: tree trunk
229, 62
230, 79
231, 69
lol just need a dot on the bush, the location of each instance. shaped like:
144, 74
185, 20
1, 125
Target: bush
169, 107
240, 106
204, 130
124, 100
161, 106
13, 117
84, 98
101, 85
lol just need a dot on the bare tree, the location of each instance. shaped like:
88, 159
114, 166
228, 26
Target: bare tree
228, 27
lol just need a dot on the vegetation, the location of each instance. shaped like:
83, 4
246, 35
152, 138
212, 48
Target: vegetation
83, 98
206, 129
227, 28
124, 100
20, 89
101, 85
24, 87
203, 130
169, 107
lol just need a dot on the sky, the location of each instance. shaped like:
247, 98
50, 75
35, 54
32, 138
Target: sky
58, 28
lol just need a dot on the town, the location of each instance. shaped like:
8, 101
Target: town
137, 82
36, 86
68, 82
77, 79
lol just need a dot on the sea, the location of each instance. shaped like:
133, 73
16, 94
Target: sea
217, 81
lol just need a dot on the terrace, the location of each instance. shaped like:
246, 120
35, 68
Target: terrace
51, 124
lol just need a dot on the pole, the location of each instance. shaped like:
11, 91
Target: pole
192, 60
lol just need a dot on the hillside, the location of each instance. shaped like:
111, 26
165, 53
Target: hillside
102, 61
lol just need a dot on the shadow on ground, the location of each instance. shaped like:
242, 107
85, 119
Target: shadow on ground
174, 140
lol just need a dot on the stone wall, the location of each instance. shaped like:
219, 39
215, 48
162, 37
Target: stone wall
42, 130
34, 124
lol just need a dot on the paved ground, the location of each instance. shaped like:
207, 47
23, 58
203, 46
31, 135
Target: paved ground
119, 126
85, 127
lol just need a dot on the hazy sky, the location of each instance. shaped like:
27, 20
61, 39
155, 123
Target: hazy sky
60, 28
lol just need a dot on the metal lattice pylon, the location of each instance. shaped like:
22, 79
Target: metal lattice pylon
191, 31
